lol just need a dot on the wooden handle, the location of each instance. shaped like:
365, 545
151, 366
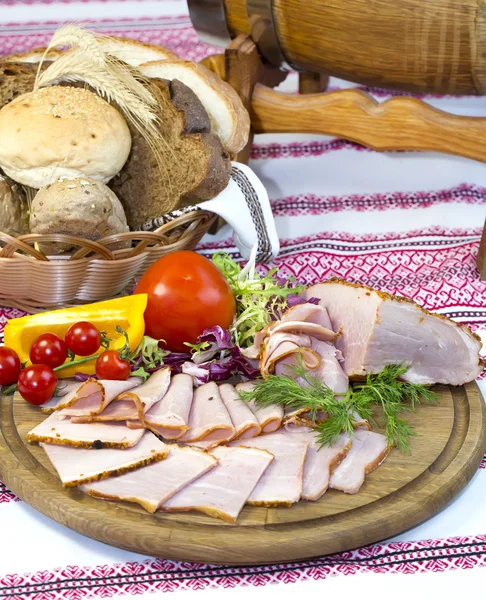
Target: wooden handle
397, 124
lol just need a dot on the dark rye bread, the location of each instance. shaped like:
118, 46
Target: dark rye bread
15, 79
196, 167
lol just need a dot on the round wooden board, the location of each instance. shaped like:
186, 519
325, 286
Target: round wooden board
404, 491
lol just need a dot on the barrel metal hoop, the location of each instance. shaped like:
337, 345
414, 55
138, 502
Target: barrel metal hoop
209, 20
264, 34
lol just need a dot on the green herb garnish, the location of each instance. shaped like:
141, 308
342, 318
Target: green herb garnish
259, 298
384, 389
196, 349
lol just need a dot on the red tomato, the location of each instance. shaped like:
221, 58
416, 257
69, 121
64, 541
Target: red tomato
187, 294
109, 365
9, 366
83, 338
37, 384
48, 349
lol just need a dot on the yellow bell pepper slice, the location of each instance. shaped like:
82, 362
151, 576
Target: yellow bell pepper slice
127, 312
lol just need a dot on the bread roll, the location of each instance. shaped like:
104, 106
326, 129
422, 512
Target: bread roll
61, 131
76, 206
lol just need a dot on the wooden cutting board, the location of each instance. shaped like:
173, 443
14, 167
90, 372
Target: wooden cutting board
404, 491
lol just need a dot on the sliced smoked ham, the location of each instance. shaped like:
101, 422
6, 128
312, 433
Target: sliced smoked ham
270, 417
133, 404
320, 461
379, 329
224, 490
93, 396
80, 465
367, 452
308, 319
208, 420
244, 420
84, 435
154, 484
170, 417
280, 345
281, 485
64, 387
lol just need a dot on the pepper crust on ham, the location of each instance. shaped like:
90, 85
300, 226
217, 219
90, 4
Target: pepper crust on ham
84, 435
132, 405
379, 329
81, 465
91, 397
154, 484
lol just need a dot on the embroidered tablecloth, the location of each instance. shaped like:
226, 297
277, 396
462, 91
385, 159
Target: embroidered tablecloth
404, 222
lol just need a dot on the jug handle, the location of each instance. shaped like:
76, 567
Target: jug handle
400, 123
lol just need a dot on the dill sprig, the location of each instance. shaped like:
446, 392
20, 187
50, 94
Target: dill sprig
389, 391
301, 390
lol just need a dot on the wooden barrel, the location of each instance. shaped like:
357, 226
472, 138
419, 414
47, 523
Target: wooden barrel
411, 45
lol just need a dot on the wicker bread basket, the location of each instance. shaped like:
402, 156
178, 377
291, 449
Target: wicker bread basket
31, 281
92, 271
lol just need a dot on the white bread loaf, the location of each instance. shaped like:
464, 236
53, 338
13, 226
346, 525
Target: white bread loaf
129, 51
62, 131
229, 118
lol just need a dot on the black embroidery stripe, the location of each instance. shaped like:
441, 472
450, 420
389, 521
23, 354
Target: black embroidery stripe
205, 572
264, 253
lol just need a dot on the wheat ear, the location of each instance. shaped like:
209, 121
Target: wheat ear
114, 81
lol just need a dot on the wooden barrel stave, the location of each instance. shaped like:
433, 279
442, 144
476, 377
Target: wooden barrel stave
411, 45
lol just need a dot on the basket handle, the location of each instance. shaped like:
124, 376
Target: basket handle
13, 245
23, 241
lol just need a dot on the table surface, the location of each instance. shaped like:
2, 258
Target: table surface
404, 222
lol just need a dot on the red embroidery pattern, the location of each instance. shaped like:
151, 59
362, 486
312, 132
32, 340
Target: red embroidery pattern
302, 149
157, 575
312, 204
176, 33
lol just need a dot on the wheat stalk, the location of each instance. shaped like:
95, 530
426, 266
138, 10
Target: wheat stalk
108, 77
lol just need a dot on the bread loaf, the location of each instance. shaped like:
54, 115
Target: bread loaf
61, 131
196, 166
229, 118
129, 51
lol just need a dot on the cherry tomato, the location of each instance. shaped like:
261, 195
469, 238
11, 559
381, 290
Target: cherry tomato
187, 294
37, 384
9, 366
109, 365
83, 338
48, 349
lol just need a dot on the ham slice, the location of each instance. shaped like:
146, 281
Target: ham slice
281, 485
84, 435
154, 484
133, 404
223, 491
279, 345
170, 417
244, 420
93, 396
367, 452
320, 461
209, 420
308, 319
79, 465
270, 417
64, 387
379, 329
